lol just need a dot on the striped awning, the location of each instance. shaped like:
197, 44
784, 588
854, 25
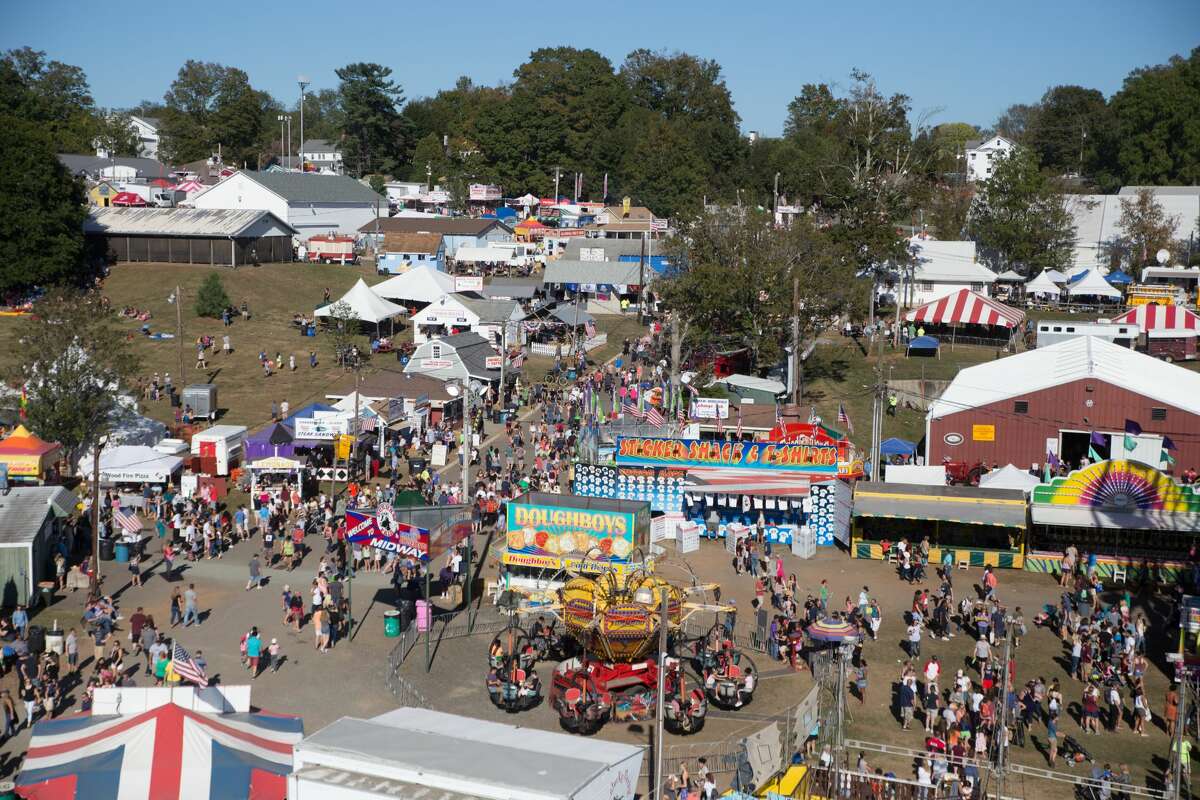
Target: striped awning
965, 307
1153, 317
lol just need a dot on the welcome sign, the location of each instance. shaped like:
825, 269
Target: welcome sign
777, 456
406, 541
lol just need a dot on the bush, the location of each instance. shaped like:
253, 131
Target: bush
211, 299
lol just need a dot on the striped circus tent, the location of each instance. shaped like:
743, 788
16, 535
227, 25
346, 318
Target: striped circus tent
164, 752
1155, 318
965, 307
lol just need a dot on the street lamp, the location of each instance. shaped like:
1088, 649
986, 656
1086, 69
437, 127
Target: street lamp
95, 588
303, 81
471, 389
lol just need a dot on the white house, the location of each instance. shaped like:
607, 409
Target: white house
312, 204
146, 129
983, 154
459, 357
457, 313
945, 267
322, 155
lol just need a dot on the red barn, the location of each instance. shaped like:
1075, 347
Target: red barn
1066, 399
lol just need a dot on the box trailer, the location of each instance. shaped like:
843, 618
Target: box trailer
219, 447
331, 250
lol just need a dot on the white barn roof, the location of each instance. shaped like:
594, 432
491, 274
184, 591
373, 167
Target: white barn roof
1073, 359
949, 261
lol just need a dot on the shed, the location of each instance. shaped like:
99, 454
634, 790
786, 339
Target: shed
460, 357
30, 518
403, 251
190, 235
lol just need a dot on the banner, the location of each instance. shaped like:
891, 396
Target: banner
468, 283
325, 428
661, 487
578, 538
710, 408
383, 532
778, 456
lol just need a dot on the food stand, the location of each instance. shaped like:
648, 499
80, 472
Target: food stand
28, 458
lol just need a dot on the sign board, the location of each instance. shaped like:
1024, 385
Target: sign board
585, 539
983, 433
772, 456
687, 536
483, 192
658, 529
493, 362
436, 363
343, 445
324, 428
710, 408
661, 487
383, 532
468, 283
437, 455
591, 254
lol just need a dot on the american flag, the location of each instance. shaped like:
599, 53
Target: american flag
778, 414
658, 225
186, 667
680, 413
720, 425
367, 424
739, 427
654, 416
589, 328
516, 361
844, 418
127, 521
629, 408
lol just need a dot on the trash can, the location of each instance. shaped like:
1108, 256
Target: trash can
55, 642
106, 549
391, 624
415, 465
46, 590
422, 616
121, 551
8, 790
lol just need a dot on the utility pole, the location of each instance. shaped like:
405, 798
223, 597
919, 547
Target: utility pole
642, 284
282, 144
663, 624
179, 334
1181, 724
557, 173
797, 386
95, 590
775, 205
1002, 729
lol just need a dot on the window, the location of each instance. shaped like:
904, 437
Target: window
1070, 329
436, 351
976, 287
1158, 414
1058, 328
926, 286
1021, 407
420, 257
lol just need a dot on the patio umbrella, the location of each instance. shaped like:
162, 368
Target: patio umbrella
833, 630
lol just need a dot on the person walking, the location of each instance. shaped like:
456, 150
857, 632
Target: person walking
253, 651
255, 580
227, 345
191, 611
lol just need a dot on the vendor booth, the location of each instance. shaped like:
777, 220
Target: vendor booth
982, 316
136, 464
983, 527
274, 474
1137, 520
28, 458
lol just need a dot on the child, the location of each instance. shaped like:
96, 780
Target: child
273, 655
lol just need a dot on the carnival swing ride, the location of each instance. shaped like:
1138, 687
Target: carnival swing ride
605, 638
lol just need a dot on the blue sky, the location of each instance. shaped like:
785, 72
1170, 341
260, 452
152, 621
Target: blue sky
965, 60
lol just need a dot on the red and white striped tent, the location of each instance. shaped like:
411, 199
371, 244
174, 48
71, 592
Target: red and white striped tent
189, 187
965, 307
1162, 320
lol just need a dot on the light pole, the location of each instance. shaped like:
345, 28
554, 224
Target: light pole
303, 81
95, 589
282, 147
468, 391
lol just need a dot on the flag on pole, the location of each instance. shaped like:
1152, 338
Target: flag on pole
720, 425
680, 412
1093, 455
1130, 443
128, 522
24, 403
589, 328
629, 408
186, 667
812, 415
1097, 438
516, 361
1167, 457
739, 425
778, 414
844, 418
1132, 428
1168, 444
654, 416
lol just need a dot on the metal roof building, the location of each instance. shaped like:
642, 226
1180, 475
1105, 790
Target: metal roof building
191, 235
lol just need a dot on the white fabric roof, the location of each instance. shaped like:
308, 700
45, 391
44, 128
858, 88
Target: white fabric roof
367, 306
1043, 284
131, 463
1070, 360
754, 382
1011, 276
423, 284
1092, 285
1009, 477
948, 261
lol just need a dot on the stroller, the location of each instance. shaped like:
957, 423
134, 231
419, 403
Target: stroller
1074, 752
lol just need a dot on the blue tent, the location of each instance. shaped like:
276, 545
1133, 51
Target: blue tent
897, 447
308, 412
1118, 278
506, 213
924, 343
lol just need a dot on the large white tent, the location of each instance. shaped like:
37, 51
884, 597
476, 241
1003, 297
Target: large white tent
131, 463
424, 284
1043, 284
1092, 284
364, 304
1008, 477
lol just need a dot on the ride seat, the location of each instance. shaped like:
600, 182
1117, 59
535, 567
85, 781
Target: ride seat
518, 675
572, 696
734, 671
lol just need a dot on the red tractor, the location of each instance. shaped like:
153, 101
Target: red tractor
960, 473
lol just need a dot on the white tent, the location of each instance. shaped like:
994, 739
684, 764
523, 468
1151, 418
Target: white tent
1043, 284
1010, 276
365, 305
130, 463
1092, 284
1008, 477
1055, 276
424, 284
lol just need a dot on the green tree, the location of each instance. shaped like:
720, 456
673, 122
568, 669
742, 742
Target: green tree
428, 155
1156, 136
1067, 129
211, 105
115, 134
374, 134
1146, 228
942, 147
1017, 121
75, 358
947, 210
59, 101
1018, 218
41, 204
211, 299
664, 171
322, 115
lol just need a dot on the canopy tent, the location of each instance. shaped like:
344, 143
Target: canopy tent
167, 751
423, 284
897, 447
131, 463
308, 412
965, 307
365, 305
27, 456
280, 435
1010, 276
1119, 278
1009, 477
1158, 320
127, 426
1055, 275
572, 314
924, 343
128, 199
527, 200
189, 187
1091, 283
505, 213
1044, 283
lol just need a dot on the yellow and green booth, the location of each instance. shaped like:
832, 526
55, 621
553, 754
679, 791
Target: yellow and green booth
1137, 520
982, 527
